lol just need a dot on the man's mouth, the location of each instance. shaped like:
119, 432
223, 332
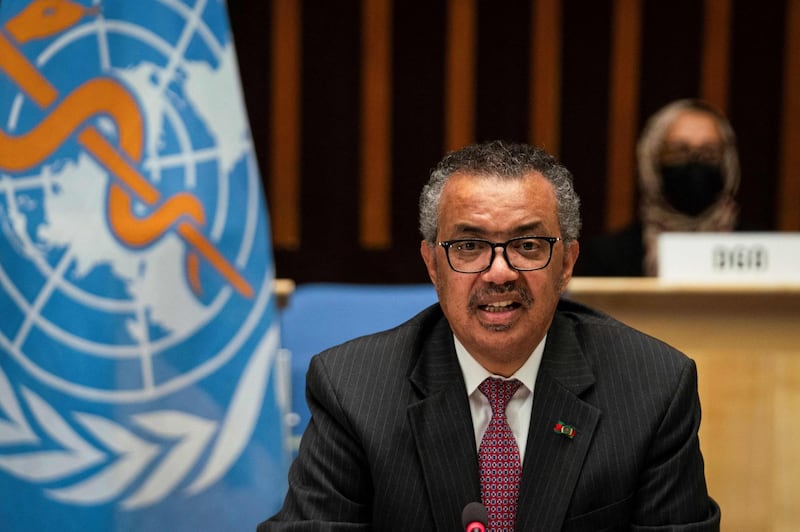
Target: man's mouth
499, 306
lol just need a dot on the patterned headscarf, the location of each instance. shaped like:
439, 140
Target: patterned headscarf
656, 214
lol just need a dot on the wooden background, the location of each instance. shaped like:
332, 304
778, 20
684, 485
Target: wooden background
352, 101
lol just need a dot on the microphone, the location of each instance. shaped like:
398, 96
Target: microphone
474, 517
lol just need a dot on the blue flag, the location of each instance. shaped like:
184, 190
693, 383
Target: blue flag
140, 382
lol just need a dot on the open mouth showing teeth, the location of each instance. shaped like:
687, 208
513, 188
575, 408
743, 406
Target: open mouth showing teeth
501, 306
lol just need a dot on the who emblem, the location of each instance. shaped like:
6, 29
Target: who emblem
137, 335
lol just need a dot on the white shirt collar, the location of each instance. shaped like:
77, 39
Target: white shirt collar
475, 374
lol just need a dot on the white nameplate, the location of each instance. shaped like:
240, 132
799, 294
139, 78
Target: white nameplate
729, 258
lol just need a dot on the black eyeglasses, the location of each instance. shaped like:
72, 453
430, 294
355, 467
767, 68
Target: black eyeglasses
524, 253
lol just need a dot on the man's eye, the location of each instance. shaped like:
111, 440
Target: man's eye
528, 246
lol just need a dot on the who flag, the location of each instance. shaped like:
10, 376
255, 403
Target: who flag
140, 382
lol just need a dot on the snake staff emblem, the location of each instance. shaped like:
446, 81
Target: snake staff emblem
128, 446
181, 212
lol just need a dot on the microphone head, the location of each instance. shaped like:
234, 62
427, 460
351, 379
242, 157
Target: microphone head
474, 512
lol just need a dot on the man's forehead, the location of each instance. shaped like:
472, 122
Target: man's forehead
535, 228
502, 211
463, 182
496, 176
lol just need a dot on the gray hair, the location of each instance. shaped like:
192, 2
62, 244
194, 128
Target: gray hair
504, 160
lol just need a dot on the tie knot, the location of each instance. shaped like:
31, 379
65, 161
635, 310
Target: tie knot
499, 392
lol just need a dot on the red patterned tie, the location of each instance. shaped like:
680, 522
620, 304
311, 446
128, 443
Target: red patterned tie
498, 458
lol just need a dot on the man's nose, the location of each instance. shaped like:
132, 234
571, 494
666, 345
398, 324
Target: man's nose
500, 271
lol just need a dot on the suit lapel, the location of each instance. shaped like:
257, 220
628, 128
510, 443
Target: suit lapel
553, 461
442, 427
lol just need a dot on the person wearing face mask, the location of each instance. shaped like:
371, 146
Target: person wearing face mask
688, 179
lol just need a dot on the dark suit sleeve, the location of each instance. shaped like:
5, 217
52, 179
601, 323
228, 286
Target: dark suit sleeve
329, 482
672, 488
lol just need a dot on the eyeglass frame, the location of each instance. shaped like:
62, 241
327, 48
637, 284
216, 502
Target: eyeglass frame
446, 244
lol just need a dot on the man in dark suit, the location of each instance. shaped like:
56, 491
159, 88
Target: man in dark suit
604, 419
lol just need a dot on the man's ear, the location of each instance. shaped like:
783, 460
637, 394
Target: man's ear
568, 261
428, 252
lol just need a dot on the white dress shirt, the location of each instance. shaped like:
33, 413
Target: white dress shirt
518, 411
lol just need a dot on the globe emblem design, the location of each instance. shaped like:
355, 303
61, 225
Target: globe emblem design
137, 328
83, 296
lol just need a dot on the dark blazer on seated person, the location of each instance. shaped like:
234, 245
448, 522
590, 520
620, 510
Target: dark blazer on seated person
620, 253
391, 445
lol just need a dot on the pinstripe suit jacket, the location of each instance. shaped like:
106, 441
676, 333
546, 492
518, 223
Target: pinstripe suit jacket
390, 445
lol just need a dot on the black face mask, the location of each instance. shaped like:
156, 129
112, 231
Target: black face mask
692, 187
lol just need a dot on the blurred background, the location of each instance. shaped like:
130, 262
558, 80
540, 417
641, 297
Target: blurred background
351, 103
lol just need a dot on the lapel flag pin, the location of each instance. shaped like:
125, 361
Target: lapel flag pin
564, 430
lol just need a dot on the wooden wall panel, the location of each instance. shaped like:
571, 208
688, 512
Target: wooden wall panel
352, 102
460, 73
285, 125
376, 120
622, 125
545, 75
716, 53
789, 186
